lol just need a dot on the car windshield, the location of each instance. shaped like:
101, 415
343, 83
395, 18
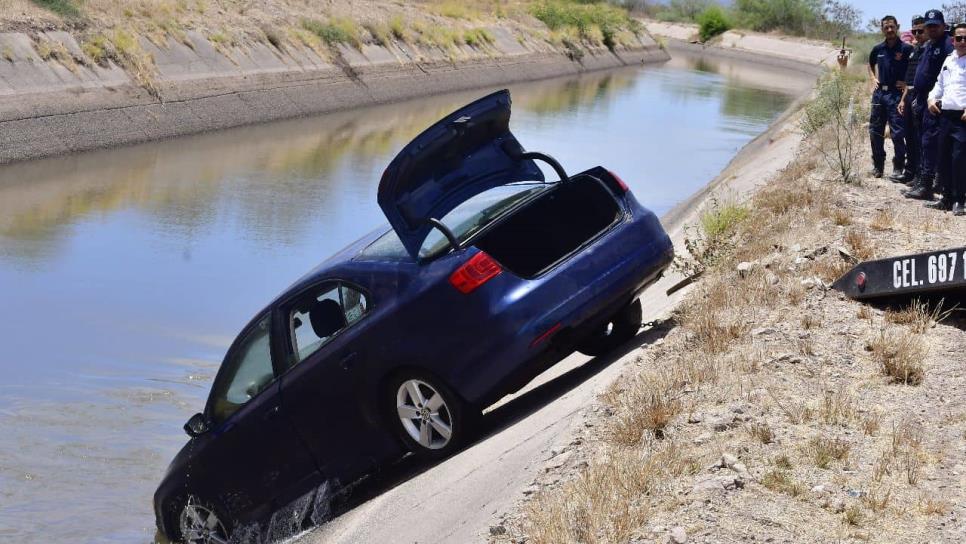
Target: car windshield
469, 217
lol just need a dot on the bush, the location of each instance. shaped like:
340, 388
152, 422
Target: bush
831, 126
713, 21
335, 31
593, 21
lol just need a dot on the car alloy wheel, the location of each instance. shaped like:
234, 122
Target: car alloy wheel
424, 414
201, 525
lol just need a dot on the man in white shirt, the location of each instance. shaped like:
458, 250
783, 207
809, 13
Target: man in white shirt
948, 98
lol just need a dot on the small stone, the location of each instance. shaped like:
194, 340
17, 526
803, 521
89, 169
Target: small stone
744, 268
800, 261
706, 486
723, 423
703, 438
559, 461
789, 358
820, 489
837, 506
739, 468
497, 530
695, 418
797, 248
679, 535
772, 278
763, 331
657, 529
728, 461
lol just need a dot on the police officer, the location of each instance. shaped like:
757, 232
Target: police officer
913, 141
887, 68
948, 99
931, 61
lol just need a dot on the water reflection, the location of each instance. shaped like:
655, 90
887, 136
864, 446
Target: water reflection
124, 274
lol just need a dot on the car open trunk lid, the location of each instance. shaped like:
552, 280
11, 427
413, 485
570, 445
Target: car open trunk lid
466, 153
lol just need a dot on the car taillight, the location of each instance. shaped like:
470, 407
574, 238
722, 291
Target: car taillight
480, 269
619, 181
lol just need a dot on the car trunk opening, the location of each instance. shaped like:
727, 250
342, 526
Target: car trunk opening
552, 227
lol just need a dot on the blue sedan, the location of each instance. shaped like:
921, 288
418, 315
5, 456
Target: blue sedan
486, 276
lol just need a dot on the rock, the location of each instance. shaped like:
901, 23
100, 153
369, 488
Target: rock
820, 489
745, 268
763, 331
558, 461
658, 529
789, 358
800, 261
855, 493
771, 278
739, 468
497, 530
797, 248
837, 506
679, 535
707, 486
695, 418
703, 438
723, 423
814, 282
727, 461
738, 408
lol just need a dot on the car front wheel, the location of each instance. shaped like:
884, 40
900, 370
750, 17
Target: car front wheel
428, 415
199, 523
621, 327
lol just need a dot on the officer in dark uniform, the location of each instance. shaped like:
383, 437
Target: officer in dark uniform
930, 63
913, 142
887, 68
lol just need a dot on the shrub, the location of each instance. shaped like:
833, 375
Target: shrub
594, 22
64, 8
831, 125
335, 31
713, 21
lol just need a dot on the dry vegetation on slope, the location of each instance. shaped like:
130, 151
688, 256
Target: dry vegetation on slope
769, 408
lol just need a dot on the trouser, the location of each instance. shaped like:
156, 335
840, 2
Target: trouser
929, 139
952, 156
913, 140
885, 108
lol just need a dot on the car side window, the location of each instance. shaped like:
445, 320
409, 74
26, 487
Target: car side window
248, 371
322, 314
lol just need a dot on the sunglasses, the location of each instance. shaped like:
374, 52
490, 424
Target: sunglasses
960, 38
918, 31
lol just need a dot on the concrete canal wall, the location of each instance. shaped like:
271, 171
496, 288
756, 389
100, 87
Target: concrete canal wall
54, 100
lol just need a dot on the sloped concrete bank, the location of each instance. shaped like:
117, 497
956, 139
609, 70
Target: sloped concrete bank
62, 103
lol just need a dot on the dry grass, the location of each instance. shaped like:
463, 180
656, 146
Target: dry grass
918, 315
861, 246
603, 504
761, 432
883, 220
825, 450
900, 356
839, 407
930, 506
781, 482
645, 406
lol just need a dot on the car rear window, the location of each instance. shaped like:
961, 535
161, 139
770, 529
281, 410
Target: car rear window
469, 217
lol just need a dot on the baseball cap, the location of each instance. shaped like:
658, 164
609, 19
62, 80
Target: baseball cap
934, 17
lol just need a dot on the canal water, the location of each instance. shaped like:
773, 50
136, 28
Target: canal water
125, 274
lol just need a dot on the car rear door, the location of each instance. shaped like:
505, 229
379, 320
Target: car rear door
253, 455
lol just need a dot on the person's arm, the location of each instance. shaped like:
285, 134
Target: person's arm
873, 79
902, 101
936, 94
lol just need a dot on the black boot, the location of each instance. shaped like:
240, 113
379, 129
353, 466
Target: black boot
911, 179
922, 190
943, 205
877, 170
959, 209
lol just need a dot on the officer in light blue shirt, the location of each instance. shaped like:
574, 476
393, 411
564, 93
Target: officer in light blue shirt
948, 99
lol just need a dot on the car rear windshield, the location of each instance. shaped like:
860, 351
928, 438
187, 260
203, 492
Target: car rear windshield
473, 215
465, 220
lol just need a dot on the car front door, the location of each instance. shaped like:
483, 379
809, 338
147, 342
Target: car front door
253, 455
321, 389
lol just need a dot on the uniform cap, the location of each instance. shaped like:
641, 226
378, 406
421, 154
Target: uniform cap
934, 17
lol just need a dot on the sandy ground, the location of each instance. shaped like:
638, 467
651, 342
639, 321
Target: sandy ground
762, 411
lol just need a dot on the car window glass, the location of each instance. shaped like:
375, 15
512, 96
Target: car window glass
315, 320
324, 313
248, 371
355, 304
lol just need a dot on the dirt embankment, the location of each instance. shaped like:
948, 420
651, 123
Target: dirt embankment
765, 407
78, 76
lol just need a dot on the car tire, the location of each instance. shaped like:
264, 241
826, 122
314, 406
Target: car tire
428, 416
608, 336
195, 521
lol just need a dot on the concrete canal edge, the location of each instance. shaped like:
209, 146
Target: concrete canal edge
62, 104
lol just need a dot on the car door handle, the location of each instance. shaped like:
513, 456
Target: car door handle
348, 360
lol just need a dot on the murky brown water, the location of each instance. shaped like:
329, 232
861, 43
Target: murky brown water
125, 274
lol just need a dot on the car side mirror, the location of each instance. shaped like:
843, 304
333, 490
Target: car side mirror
196, 426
